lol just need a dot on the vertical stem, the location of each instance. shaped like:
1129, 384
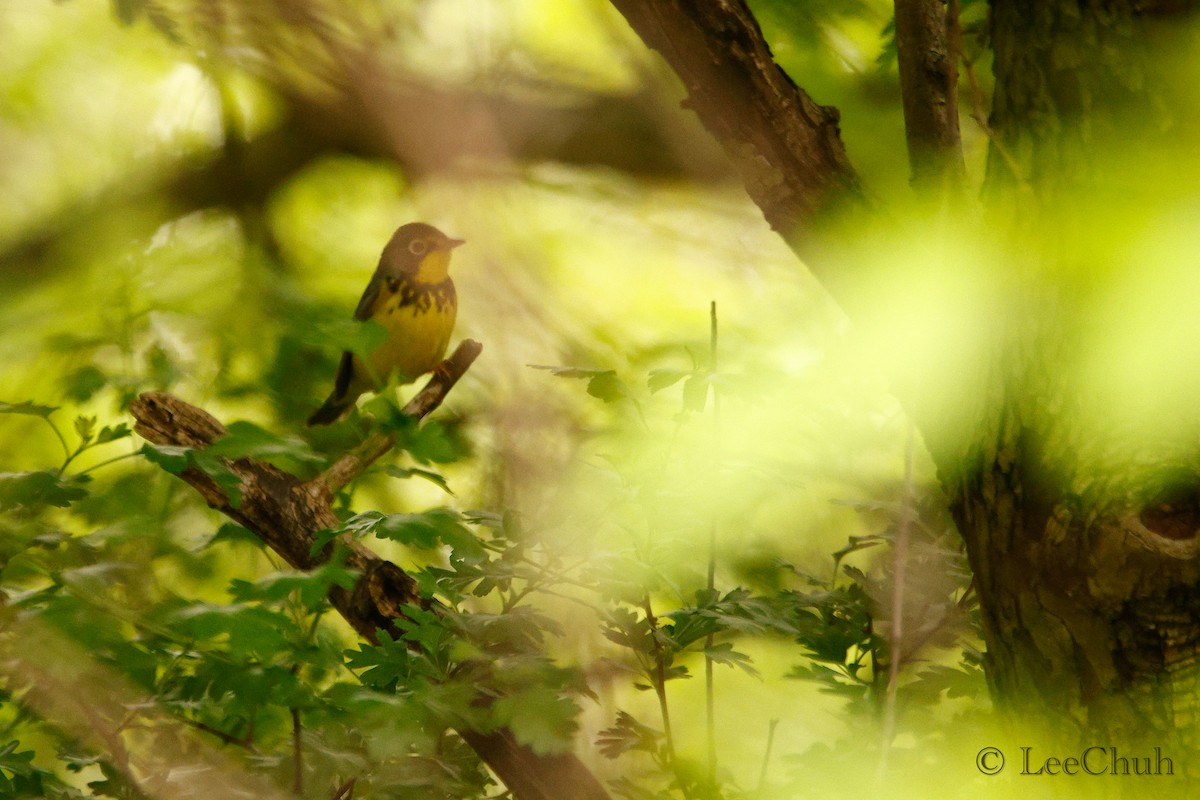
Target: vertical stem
762, 773
709, 689
900, 568
297, 755
660, 679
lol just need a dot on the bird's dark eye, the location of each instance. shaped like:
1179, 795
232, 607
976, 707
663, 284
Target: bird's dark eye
417, 247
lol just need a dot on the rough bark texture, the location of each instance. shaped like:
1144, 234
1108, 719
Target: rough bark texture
286, 513
1083, 545
1088, 586
1087, 579
787, 148
929, 90
1069, 76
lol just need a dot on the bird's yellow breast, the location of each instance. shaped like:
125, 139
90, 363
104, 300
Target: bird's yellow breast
419, 319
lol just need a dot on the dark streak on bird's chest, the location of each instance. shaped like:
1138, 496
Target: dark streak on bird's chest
423, 297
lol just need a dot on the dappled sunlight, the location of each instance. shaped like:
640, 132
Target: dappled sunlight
682, 452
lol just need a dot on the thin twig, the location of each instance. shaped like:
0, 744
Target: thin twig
709, 687
355, 463
61, 440
977, 111
762, 773
660, 686
227, 738
899, 577
297, 754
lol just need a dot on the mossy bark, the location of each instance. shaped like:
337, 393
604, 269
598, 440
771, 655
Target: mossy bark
1083, 540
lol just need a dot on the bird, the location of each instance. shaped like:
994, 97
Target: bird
412, 296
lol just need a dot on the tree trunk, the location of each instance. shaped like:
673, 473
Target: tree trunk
1083, 539
1081, 533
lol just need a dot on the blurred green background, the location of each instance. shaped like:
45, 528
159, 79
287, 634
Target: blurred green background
194, 195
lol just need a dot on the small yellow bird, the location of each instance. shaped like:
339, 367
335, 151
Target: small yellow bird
411, 295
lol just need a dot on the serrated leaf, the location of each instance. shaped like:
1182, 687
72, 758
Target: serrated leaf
173, 458
607, 387
82, 384
27, 408
232, 532
627, 734
662, 378
311, 586
111, 434
14, 761
84, 427
602, 383
248, 630
247, 440
429, 529
430, 443
40, 488
539, 718
723, 653
417, 472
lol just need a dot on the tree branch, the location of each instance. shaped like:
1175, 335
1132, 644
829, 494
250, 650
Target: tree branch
929, 90
286, 513
787, 149
354, 463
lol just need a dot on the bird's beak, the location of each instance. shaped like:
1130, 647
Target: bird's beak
450, 244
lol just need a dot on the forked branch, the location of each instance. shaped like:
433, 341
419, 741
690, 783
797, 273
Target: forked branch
286, 513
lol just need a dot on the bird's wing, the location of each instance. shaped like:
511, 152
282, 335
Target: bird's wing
345, 373
366, 305
369, 296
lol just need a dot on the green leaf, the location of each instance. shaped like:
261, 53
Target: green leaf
247, 440
82, 384
232, 532
662, 378
602, 383
249, 630
416, 472
111, 434
14, 762
607, 387
426, 530
27, 408
359, 525
312, 587
355, 336
540, 718
84, 426
723, 653
430, 443
41, 488
174, 459
627, 734
388, 664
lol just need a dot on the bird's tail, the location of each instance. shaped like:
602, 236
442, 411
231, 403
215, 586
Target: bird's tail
332, 411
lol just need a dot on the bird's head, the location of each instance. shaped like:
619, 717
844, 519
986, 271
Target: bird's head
419, 251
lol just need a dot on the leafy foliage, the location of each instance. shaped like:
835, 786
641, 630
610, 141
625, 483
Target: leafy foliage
222, 649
